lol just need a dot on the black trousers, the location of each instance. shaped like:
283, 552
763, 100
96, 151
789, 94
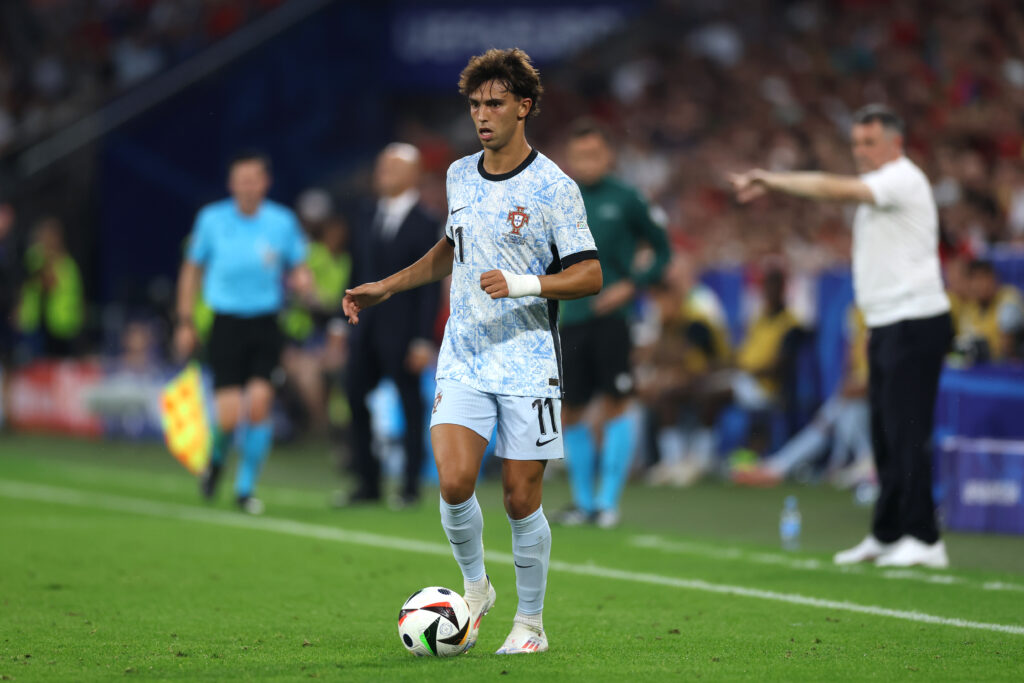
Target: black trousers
905, 360
368, 363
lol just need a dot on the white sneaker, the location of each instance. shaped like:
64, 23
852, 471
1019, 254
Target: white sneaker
910, 552
868, 550
479, 605
607, 519
250, 505
572, 517
523, 640
861, 471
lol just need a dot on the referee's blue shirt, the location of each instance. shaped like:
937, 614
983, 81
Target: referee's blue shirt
245, 258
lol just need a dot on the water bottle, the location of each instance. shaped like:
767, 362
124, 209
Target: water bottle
789, 525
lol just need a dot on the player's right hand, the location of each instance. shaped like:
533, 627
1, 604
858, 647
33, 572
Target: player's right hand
184, 341
361, 298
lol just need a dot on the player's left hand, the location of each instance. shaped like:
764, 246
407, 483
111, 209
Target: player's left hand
493, 282
750, 185
614, 296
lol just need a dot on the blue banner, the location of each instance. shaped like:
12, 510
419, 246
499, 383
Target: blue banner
985, 478
431, 42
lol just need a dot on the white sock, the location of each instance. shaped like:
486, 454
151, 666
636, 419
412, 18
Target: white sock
671, 445
533, 621
464, 525
478, 587
702, 447
531, 551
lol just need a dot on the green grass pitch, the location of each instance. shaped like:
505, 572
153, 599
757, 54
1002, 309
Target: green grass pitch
111, 569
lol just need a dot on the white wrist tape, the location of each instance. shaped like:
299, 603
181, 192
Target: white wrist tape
521, 285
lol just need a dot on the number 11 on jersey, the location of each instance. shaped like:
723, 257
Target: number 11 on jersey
461, 254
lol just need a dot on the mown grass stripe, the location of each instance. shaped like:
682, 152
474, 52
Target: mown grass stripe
66, 496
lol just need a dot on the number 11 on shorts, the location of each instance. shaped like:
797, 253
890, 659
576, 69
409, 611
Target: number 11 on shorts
540, 405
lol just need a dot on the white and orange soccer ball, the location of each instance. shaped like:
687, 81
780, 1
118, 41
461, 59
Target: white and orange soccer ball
434, 622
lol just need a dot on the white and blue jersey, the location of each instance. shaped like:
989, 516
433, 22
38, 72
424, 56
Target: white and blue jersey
245, 258
529, 221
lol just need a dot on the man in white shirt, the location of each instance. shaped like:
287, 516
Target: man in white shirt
898, 287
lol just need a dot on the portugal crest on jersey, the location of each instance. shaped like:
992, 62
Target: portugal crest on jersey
518, 218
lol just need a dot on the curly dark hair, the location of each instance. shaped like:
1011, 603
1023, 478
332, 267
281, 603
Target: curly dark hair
512, 68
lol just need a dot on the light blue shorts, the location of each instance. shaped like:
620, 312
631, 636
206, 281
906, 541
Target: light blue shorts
528, 428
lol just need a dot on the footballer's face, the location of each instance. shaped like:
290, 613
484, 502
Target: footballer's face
497, 114
874, 146
248, 182
589, 157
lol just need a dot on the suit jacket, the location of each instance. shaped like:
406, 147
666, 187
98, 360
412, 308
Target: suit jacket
392, 325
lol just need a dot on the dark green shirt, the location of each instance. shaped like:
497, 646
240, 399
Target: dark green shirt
619, 219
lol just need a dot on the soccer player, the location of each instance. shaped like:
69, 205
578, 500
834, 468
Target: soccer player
897, 282
516, 241
595, 332
241, 250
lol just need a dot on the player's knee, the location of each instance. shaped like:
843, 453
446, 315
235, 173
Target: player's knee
571, 414
520, 503
259, 411
229, 410
228, 424
455, 490
260, 400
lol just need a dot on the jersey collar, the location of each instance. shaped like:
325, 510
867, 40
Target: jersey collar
510, 174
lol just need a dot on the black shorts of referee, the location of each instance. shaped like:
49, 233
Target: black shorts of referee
595, 359
243, 348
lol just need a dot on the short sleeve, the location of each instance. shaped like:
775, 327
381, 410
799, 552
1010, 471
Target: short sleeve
888, 184
297, 247
568, 226
200, 242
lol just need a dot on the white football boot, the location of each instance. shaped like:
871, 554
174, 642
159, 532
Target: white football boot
911, 552
479, 605
523, 640
607, 519
868, 550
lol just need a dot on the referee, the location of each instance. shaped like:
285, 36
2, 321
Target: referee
595, 330
898, 287
241, 250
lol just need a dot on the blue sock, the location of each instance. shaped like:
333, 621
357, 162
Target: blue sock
256, 442
616, 457
581, 455
531, 552
464, 525
222, 441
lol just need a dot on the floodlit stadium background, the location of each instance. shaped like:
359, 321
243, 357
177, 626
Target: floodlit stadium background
117, 118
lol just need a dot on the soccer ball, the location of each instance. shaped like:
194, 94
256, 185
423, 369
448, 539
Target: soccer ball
434, 622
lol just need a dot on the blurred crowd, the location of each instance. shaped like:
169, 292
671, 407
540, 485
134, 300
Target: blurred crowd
59, 59
773, 84
691, 91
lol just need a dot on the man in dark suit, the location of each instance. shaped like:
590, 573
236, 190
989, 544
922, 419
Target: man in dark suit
396, 339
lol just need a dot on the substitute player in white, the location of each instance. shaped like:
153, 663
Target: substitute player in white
898, 286
516, 241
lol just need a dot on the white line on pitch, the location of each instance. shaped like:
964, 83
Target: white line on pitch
64, 496
810, 564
